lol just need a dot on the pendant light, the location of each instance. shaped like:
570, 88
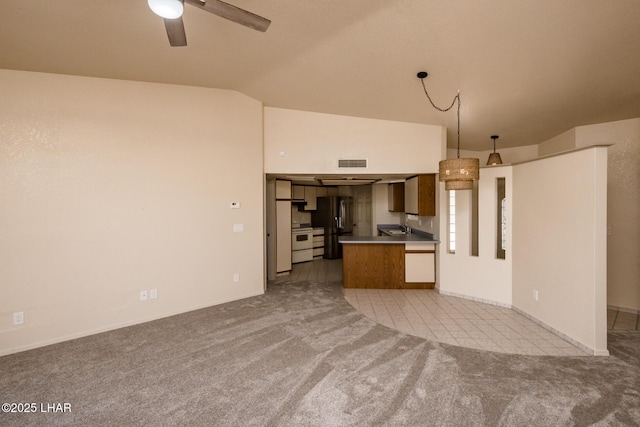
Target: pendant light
494, 158
168, 9
457, 174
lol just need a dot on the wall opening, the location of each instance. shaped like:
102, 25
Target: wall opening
475, 251
501, 218
451, 223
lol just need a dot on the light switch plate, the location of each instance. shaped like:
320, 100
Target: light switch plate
238, 228
18, 318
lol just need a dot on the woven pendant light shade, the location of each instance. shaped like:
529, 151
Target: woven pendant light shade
494, 159
459, 174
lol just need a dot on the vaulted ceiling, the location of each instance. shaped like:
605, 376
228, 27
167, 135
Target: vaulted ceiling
527, 70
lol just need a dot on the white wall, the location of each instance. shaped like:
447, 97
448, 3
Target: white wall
380, 208
508, 155
559, 243
483, 277
623, 247
563, 142
109, 187
312, 143
623, 214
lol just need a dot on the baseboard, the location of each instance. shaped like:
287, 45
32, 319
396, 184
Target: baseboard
565, 337
467, 297
623, 309
538, 322
113, 327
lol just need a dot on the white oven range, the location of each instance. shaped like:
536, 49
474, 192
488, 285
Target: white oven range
301, 244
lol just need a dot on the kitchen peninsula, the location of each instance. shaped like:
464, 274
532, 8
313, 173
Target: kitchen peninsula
392, 260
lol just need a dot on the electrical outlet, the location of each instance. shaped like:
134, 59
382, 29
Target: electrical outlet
236, 277
235, 205
153, 293
535, 295
18, 318
143, 295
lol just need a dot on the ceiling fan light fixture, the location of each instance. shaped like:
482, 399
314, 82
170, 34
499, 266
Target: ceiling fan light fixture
168, 9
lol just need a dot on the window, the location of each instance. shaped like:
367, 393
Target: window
452, 222
475, 250
501, 223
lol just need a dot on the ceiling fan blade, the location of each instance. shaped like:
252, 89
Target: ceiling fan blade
232, 13
175, 32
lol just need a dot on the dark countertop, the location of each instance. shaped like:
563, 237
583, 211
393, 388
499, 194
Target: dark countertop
416, 236
406, 238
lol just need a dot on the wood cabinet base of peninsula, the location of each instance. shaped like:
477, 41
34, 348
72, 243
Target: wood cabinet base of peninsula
376, 266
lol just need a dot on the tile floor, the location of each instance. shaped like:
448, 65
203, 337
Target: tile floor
452, 320
426, 313
622, 321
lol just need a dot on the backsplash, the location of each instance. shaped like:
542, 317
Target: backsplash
423, 223
299, 217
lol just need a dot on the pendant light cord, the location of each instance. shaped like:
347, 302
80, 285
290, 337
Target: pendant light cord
444, 110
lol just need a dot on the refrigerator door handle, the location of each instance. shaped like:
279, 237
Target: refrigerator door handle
338, 220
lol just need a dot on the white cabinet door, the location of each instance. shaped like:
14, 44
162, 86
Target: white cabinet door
298, 192
283, 189
311, 198
420, 268
283, 235
411, 195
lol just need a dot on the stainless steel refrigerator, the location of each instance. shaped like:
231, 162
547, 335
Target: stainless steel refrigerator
335, 214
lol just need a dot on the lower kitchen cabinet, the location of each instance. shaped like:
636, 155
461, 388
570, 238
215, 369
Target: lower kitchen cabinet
419, 267
420, 264
318, 242
388, 266
373, 266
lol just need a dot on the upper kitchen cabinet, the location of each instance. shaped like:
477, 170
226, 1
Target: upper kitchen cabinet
283, 189
420, 195
310, 196
298, 192
307, 194
396, 197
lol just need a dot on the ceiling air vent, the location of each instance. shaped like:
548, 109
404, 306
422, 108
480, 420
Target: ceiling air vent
352, 163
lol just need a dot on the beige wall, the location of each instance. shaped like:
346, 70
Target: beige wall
110, 187
623, 247
564, 142
380, 208
483, 277
559, 244
308, 143
623, 214
508, 155
623, 197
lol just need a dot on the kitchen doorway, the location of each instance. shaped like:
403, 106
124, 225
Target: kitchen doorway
362, 213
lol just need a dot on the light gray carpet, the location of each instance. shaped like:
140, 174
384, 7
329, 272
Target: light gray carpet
300, 355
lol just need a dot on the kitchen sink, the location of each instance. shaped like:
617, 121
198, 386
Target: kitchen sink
395, 232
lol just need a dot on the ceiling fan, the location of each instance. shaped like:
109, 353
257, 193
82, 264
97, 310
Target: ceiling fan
171, 11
